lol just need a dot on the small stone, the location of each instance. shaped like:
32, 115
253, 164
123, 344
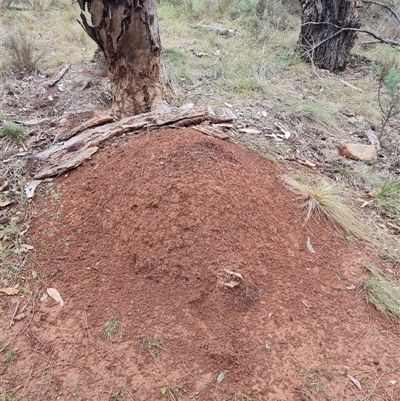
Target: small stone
358, 151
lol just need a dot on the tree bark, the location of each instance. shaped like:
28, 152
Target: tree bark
325, 38
128, 34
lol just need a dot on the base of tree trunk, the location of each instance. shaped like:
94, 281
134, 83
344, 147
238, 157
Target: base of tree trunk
127, 33
324, 38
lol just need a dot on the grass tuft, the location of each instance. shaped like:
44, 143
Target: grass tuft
173, 392
113, 326
12, 131
384, 294
154, 345
388, 196
40, 5
22, 53
325, 200
11, 354
320, 113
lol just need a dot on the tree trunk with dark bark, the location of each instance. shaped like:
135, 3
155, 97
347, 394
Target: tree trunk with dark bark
127, 32
326, 36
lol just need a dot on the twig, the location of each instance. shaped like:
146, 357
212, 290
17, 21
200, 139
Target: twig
15, 312
395, 15
91, 213
341, 30
218, 30
183, 363
108, 352
59, 76
198, 86
84, 317
220, 167
350, 85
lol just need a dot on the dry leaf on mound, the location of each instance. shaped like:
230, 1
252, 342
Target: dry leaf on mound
221, 377
5, 203
53, 293
309, 246
3, 185
26, 247
355, 381
10, 291
20, 316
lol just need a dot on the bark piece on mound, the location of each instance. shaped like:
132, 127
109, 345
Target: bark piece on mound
84, 140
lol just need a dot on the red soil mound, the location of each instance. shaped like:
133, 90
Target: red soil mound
147, 232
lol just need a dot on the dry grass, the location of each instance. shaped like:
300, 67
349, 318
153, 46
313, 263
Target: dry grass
326, 201
23, 55
59, 40
381, 292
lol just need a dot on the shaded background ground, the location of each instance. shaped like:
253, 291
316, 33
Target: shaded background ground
145, 232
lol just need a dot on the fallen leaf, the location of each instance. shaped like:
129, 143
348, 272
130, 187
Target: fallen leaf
309, 246
26, 247
309, 164
393, 382
283, 129
53, 293
5, 203
221, 377
231, 284
351, 287
250, 131
34, 274
366, 203
43, 297
10, 291
3, 185
305, 304
20, 316
30, 188
235, 274
355, 381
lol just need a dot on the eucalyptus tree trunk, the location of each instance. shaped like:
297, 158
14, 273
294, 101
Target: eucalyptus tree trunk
127, 32
327, 32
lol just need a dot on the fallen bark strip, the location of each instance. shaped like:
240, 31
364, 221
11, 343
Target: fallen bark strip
100, 119
211, 131
218, 30
64, 156
59, 76
66, 163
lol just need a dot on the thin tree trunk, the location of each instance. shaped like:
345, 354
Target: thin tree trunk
323, 38
128, 34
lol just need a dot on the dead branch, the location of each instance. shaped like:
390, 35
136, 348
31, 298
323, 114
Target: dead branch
59, 76
390, 42
390, 9
87, 28
218, 30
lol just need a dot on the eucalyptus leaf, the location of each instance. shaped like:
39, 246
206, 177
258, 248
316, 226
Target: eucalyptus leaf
221, 377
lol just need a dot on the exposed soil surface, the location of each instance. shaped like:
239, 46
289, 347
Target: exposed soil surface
148, 232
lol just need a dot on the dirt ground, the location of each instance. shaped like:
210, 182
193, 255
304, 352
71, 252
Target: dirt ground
198, 251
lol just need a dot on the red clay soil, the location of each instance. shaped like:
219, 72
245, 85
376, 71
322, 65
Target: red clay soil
147, 232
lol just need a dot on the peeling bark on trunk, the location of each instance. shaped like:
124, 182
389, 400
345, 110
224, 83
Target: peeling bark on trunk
324, 38
127, 33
